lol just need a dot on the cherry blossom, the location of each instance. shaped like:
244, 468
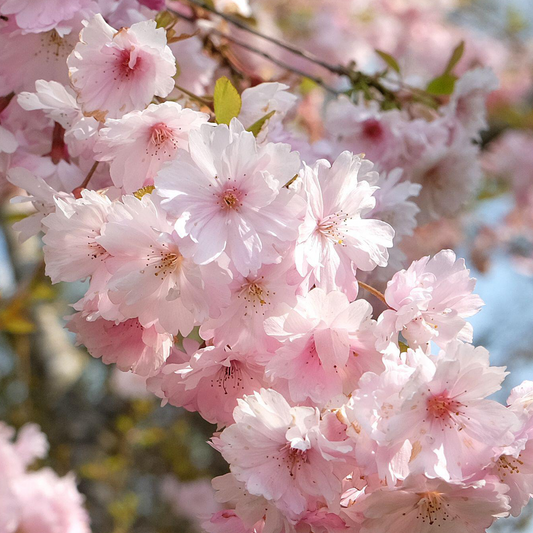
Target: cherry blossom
336, 238
150, 277
115, 72
228, 195
430, 301
421, 504
293, 460
319, 335
211, 382
141, 142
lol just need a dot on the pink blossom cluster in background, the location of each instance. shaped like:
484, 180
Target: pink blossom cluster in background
250, 267
35, 500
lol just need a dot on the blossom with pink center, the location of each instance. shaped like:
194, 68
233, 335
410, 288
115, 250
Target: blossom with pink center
430, 301
318, 357
43, 54
135, 348
336, 238
211, 382
141, 142
253, 299
71, 249
425, 505
292, 462
445, 415
364, 129
151, 279
42, 15
115, 72
228, 195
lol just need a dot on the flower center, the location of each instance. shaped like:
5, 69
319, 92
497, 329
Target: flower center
329, 227
508, 464
294, 458
255, 295
231, 199
161, 133
444, 409
128, 62
372, 129
432, 508
163, 261
229, 377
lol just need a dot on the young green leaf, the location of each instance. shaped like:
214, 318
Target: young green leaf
257, 126
442, 85
227, 101
457, 54
391, 62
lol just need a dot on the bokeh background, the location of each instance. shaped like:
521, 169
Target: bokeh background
145, 468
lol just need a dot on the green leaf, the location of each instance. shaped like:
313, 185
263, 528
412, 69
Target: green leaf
257, 126
457, 54
227, 101
391, 62
165, 19
442, 85
403, 347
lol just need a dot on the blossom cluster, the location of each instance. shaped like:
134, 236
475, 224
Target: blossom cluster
334, 412
35, 500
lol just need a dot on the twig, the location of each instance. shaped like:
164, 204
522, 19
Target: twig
374, 292
89, 176
337, 69
199, 99
276, 61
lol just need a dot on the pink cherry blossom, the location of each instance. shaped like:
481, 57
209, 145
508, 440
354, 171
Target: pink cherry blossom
115, 72
253, 299
42, 15
445, 414
151, 279
423, 504
449, 175
228, 195
211, 382
135, 348
430, 301
40, 194
292, 461
71, 250
336, 238
141, 142
318, 357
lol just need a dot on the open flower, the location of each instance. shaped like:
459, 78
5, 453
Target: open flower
115, 72
141, 142
316, 357
430, 301
336, 238
228, 195
292, 462
424, 505
151, 279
